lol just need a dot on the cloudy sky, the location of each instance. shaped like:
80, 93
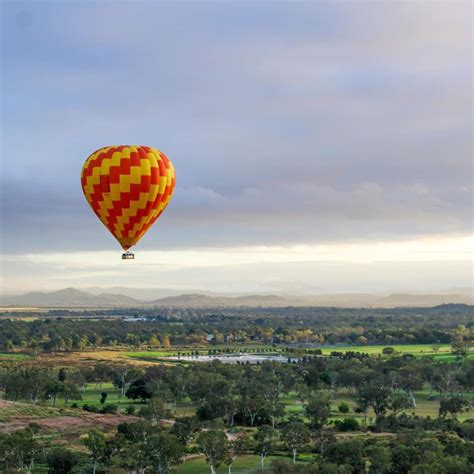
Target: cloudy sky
318, 146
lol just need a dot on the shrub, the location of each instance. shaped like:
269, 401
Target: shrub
347, 424
110, 408
343, 407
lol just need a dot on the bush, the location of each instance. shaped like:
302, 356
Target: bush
89, 408
343, 407
347, 424
110, 408
61, 460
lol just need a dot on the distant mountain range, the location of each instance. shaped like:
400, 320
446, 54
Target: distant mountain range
71, 297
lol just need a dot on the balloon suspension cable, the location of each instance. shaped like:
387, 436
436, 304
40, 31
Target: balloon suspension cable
128, 255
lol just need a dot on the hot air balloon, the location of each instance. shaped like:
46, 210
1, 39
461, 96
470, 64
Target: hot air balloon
128, 187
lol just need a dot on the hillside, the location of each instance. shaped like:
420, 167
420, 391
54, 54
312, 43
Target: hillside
68, 297
71, 297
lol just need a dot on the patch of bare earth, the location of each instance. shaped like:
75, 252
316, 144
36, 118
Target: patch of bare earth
78, 421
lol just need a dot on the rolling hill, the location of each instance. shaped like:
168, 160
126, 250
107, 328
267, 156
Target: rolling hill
72, 297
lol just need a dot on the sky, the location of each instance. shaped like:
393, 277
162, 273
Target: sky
318, 146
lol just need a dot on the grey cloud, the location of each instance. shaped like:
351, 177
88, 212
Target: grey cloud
338, 123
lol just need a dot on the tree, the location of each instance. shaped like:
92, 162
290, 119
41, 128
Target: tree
53, 390
154, 410
349, 452
163, 450
239, 446
343, 407
252, 398
103, 397
62, 374
380, 460
131, 438
123, 375
453, 405
165, 341
461, 341
263, 442
295, 435
95, 442
61, 461
215, 446
184, 429
70, 391
400, 402
318, 409
154, 341
377, 396
18, 451
138, 389
436, 347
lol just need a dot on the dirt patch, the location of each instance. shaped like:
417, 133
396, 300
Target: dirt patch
76, 421
90, 420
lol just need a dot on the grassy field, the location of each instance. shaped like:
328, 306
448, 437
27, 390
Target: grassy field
415, 349
14, 355
293, 405
92, 395
243, 465
442, 352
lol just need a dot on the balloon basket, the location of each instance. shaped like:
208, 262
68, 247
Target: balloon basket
128, 256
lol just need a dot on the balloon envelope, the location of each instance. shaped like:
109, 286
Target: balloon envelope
128, 187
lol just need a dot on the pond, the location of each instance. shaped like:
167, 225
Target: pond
233, 358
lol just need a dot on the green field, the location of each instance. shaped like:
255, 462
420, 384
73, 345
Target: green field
14, 355
243, 465
293, 406
415, 349
92, 394
443, 351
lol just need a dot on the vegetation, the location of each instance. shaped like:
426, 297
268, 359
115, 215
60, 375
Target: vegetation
161, 328
355, 409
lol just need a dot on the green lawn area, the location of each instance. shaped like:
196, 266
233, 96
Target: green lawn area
243, 465
14, 355
415, 349
92, 394
424, 406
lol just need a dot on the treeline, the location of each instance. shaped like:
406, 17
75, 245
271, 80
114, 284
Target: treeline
179, 327
141, 446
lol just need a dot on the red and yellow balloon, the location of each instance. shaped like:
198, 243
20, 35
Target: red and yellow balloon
128, 187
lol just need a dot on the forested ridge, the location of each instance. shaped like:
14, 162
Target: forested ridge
67, 330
